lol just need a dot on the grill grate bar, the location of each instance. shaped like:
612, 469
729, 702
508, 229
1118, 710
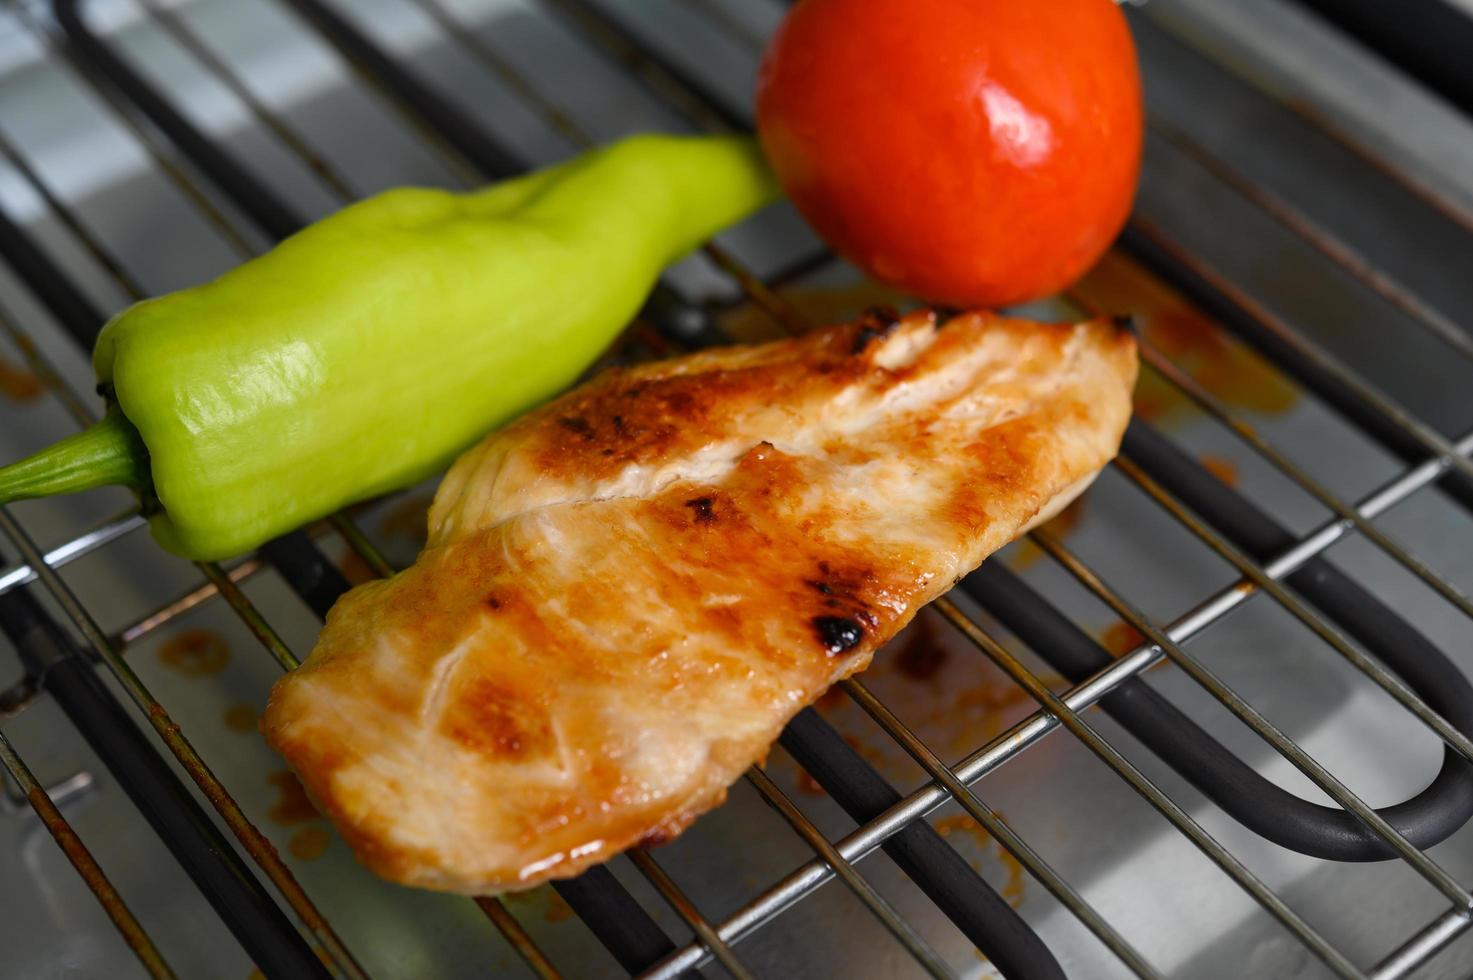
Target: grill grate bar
86, 865
686, 909
358, 541
1256, 575
146, 137
42, 368
1189, 386
1374, 413
186, 38
1285, 746
69, 219
764, 298
1321, 240
80, 546
409, 95
227, 588
1138, 781
995, 825
1423, 946
1352, 143
663, 80
1414, 479
1034, 728
862, 889
509, 927
142, 627
178, 743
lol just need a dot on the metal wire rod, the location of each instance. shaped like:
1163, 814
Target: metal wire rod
78, 547
1321, 239
687, 910
87, 867
928, 958
990, 819
1139, 782
255, 844
1250, 570
1254, 719
508, 926
184, 35
146, 138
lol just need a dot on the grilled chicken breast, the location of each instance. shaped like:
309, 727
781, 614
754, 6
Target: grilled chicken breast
627, 593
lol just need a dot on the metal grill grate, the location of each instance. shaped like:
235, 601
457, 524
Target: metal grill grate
1016, 620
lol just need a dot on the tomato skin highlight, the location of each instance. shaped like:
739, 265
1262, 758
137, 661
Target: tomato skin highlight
971, 152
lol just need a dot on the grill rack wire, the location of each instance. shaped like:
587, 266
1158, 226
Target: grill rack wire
1263, 554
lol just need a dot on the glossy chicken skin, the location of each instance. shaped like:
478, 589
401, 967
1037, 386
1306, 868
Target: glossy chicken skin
627, 593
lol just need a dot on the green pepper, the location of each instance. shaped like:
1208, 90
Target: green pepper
362, 354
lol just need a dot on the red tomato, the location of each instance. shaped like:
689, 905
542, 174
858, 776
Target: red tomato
971, 152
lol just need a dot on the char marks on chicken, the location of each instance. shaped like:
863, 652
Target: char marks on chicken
627, 593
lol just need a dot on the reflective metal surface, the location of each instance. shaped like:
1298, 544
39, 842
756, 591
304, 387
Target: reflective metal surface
1244, 85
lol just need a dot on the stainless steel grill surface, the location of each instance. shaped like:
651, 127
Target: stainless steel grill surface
1213, 721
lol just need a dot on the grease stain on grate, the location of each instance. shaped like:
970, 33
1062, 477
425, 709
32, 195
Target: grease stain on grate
195, 653
19, 385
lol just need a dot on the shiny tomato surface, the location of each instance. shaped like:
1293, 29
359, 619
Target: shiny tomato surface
972, 152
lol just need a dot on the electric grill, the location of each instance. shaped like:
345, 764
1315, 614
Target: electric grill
1214, 722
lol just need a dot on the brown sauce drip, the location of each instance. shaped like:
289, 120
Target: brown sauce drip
19, 385
292, 805
1221, 467
309, 843
195, 653
240, 717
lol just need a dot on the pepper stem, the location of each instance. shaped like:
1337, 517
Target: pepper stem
109, 453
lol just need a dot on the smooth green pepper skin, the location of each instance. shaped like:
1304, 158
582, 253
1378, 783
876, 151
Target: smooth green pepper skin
363, 353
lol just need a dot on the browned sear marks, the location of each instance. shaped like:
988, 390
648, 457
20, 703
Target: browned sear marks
701, 507
496, 720
577, 425
874, 323
837, 633
627, 593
